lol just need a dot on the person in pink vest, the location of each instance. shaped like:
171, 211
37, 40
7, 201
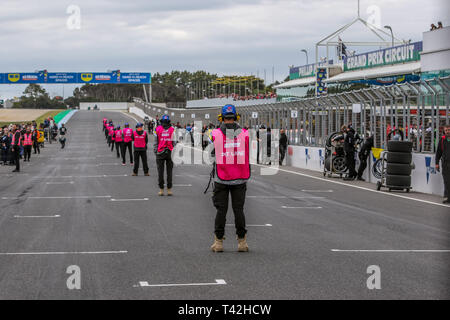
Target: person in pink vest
231, 172
118, 140
27, 144
163, 146
111, 137
109, 126
140, 139
127, 136
105, 123
106, 128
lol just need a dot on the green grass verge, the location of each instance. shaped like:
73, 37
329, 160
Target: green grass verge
38, 120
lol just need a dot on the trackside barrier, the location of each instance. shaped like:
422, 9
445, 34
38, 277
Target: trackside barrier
418, 110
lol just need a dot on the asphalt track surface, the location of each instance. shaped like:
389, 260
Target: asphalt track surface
59, 211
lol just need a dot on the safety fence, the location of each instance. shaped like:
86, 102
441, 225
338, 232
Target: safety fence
416, 110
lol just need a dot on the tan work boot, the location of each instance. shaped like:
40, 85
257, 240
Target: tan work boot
169, 192
161, 192
242, 244
217, 245
147, 174
134, 174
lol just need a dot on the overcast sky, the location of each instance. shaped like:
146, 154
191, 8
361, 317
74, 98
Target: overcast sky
220, 36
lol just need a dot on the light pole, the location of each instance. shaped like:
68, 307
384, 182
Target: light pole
392, 33
306, 52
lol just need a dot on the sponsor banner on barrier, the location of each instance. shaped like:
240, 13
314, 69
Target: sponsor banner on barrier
61, 77
393, 55
424, 178
44, 77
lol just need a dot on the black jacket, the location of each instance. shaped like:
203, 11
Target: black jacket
366, 148
283, 140
350, 141
443, 151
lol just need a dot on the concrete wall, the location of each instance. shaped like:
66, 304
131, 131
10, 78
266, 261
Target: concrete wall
139, 112
424, 177
106, 105
436, 50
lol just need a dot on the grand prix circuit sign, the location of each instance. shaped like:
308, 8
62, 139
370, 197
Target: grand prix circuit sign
44, 77
400, 54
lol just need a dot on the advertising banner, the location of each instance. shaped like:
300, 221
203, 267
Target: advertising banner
43, 77
321, 86
305, 71
393, 55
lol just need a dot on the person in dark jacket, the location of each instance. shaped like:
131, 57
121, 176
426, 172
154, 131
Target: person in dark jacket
283, 145
350, 148
443, 154
363, 155
15, 147
5, 143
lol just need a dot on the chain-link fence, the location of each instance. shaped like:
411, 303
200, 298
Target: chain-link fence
416, 111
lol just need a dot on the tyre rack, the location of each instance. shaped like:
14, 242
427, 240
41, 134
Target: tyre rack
382, 182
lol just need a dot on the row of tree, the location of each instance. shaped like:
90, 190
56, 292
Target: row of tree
36, 97
176, 86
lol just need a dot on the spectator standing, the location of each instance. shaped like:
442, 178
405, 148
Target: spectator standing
443, 155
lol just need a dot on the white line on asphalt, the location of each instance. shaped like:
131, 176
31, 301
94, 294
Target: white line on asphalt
253, 225
55, 216
393, 251
59, 253
64, 182
358, 187
92, 176
123, 200
108, 164
286, 197
145, 284
70, 197
182, 185
317, 191
286, 207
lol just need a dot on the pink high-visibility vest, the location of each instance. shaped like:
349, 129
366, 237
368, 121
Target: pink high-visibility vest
164, 138
232, 156
28, 139
139, 140
118, 136
13, 142
127, 135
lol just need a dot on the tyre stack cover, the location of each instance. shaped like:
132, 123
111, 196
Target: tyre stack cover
398, 168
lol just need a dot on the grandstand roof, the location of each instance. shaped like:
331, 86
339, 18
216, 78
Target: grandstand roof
296, 83
385, 71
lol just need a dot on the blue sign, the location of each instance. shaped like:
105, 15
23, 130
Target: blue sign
44, 77
321, 76
387, 81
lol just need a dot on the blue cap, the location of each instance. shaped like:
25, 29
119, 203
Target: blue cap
229, 109
165, 118
139, 125
126, 124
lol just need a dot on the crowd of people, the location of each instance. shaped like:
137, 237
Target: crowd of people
135, 142
237, 97
19, 141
